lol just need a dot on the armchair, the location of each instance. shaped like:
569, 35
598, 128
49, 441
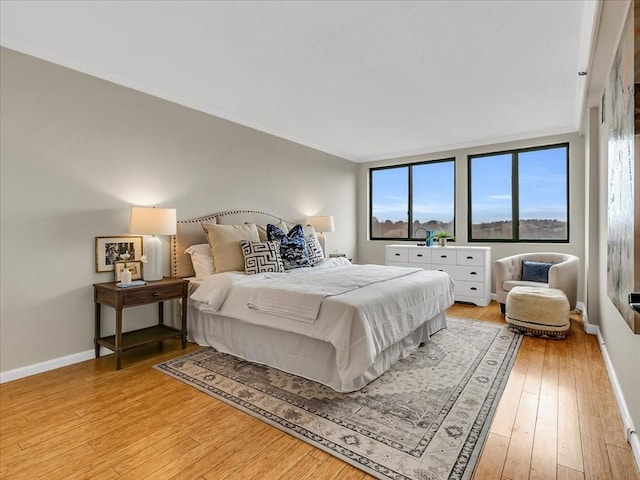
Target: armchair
563, 275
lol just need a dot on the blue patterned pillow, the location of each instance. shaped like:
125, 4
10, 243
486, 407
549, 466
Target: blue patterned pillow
535, 271
261, 257
293, 246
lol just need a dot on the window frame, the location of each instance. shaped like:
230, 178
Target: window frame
410, 166
515, 195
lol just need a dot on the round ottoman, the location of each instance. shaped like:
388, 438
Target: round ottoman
538, 311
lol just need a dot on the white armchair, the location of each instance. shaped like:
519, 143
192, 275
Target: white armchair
563, 274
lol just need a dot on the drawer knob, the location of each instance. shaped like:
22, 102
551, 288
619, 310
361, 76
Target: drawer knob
156, 294
469, 257
419, 255
472, 273
443, 256
473, 288
397, 254
440, 270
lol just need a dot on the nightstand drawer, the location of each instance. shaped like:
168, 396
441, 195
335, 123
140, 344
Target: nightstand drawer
148, 295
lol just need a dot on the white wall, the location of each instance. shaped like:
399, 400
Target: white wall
622, 345
77, 152
372, 251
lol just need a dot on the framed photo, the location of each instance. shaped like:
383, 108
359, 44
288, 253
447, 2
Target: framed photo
134, 267
110, 250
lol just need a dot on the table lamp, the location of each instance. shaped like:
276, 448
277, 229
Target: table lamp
152, 221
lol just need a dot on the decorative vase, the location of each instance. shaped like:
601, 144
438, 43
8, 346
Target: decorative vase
442, 241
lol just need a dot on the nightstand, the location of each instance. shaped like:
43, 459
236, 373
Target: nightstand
120, 298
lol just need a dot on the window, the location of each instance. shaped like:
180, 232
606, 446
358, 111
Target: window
520, 195
421, 195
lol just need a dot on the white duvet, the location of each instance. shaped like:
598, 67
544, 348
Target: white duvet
359, 320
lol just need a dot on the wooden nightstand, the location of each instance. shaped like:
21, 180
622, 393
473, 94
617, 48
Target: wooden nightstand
121, 298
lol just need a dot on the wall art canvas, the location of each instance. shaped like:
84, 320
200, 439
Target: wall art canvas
620, 181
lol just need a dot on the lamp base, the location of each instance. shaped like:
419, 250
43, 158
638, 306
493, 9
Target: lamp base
152, 269
323, 243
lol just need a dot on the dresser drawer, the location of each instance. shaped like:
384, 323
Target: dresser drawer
470, 257
443, 256
465, 273
468, 266
397, 254
419, 255
147, 295
468, 289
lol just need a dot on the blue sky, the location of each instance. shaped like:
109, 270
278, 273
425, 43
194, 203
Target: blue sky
542, 185
433, 187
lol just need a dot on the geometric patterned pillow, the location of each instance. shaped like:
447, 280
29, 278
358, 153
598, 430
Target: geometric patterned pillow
316, 255
293, 246
261, 257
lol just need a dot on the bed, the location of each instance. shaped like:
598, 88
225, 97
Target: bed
334, 323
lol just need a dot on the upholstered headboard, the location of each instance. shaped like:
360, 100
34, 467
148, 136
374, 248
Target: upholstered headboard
190, 232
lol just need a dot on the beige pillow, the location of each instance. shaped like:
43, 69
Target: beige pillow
262, 230
225, 245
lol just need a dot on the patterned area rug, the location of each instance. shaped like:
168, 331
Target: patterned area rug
426, 418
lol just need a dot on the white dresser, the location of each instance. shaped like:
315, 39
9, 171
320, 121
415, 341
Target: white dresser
470, 267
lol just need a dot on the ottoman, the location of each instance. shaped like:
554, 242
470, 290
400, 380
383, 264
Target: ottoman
538, 311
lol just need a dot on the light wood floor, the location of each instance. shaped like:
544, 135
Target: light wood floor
557, 419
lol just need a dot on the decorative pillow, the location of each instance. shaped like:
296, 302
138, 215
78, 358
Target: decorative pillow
260, 257
225, 245
205, 226
201, 259
262, 230
293, 246
316, 255
535, 271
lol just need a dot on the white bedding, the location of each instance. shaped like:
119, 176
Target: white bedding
299, 294
359, 323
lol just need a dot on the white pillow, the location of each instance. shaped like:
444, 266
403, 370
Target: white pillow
201, 258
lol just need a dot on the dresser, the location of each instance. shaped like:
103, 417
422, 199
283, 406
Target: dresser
470, 267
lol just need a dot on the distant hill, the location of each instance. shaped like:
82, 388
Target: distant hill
534, 229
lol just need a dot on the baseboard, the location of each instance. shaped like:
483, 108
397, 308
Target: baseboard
588, 328
630, 431
50, 365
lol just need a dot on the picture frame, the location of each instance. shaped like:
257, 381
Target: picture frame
110, 250
135, 267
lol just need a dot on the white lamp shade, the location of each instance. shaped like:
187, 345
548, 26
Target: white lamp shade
322, 223
153, 221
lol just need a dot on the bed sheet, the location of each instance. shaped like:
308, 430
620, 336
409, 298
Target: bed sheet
359, 324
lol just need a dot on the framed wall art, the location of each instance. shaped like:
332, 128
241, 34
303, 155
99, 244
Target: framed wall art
621, 206
110, 250
134, 267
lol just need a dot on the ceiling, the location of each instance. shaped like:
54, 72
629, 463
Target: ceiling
363, 80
